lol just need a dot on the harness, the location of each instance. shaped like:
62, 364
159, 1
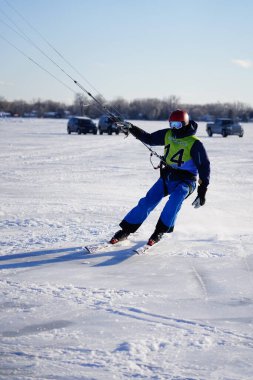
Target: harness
177, 175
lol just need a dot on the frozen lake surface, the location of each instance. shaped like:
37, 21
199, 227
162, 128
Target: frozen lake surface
183, 311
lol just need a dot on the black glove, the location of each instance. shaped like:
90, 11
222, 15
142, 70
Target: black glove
200, 199
125, 127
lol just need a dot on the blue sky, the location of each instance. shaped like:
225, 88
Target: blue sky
198, 50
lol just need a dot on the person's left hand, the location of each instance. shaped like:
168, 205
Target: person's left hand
200, 200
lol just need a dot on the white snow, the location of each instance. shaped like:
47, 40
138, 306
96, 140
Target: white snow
183, 311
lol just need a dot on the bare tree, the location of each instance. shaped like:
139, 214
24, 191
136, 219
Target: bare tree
146, 109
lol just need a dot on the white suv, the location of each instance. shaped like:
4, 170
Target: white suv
224, 127
107, 125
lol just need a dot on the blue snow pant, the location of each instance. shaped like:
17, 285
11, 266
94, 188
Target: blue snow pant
177, 191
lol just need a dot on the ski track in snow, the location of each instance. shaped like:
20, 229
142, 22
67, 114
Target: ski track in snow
184, 311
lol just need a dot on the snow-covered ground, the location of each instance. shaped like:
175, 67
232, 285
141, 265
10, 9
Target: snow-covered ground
183, 311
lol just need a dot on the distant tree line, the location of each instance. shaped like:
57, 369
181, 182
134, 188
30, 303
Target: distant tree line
137, 109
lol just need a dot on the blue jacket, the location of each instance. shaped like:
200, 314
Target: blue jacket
198, 152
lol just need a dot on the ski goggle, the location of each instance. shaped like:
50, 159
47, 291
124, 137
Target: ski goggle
176, 124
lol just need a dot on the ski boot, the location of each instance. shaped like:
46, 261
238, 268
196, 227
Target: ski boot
155, 238
119, 236
160, 230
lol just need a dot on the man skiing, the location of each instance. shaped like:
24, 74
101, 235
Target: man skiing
184, 158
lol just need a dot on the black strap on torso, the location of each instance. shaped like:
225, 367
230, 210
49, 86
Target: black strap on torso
176, 175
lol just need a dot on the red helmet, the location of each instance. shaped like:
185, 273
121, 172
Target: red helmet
179, 116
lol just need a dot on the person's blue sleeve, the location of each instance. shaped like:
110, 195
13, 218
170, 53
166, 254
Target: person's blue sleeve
201, 160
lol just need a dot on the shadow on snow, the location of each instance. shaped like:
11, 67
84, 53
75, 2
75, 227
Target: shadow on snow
61, 255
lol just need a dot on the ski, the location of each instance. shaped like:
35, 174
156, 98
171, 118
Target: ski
143, 249
98, 247
103, 246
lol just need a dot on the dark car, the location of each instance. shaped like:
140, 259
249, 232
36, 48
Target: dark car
107, 125
224, 127
81, 124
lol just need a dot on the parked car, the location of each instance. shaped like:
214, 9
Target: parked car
224, 127
80, 124
107, 125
